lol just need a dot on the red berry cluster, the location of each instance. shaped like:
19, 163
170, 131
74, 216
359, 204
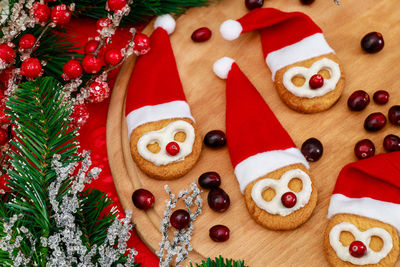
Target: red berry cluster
374, 122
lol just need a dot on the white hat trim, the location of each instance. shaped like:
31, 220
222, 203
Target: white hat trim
383, 211
222, 67
230, 29
261, 164
167, 22
169, 110
312, 46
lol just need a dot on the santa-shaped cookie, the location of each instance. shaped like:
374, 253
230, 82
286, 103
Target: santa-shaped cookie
364, 214
272, 173
306, 72
164, 138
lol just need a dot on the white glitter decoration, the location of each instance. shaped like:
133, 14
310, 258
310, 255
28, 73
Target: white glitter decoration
180, 246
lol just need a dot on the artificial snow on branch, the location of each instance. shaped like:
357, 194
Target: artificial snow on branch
178, 249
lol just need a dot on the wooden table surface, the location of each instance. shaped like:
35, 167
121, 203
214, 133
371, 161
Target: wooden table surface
338, 128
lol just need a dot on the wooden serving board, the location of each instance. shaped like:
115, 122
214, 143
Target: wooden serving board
338, 128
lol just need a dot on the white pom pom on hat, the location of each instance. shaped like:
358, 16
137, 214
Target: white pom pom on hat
167, 22
230, 29
222, 67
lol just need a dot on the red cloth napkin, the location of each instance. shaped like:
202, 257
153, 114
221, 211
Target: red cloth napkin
93, 134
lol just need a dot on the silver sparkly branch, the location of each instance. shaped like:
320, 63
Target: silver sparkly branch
180, 246
65, 245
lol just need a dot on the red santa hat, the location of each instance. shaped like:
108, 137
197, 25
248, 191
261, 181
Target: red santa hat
155, 90
257, 142
286, 37
369, 188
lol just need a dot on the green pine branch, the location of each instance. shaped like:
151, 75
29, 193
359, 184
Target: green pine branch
220, 262
42, 131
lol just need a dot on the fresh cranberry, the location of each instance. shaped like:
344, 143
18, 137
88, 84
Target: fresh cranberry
358, 100
91, 46
209, 180
252, 4
201, 35
391, 143
372, 42
3, 137
394, 115
381, 97
316, 81
143, 199
374, 122
218, 200
357, 249
364, 149
219, 233
289, 199
312, 149
215, 139
307, 2
172, 148
180, 219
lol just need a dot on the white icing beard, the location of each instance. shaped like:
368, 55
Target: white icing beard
371, 257
306, 73
163, 137
280, 187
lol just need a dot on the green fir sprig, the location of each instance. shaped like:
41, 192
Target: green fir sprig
220, 262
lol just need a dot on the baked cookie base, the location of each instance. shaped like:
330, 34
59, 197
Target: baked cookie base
165, 172
363, 224
310, 105
277, 222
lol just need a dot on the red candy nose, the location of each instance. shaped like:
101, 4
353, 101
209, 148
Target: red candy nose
172, 148
357, 249
316, 81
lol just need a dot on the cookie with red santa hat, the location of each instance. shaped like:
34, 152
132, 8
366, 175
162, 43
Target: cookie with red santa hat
364, 214
307, 74
271, 171
164, 139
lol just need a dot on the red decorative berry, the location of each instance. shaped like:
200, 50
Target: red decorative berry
312, 149
201, 35
219, 233
40, 12
252, 4
364, 149
31, 68
99, 91
316, 81
103, 22
3, 117
391, 143
357, 249
358, 100
7, 54
372, 42
91, 64
142, 44
218, 200
289, 199
72, 69
27, 41
381, 97
215, 139
79, 116
91, 46
112, 56
60, 15
180, 219
172, 148
3, 137
209, 180
143, 199
115, 5
394, 115
374, 122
